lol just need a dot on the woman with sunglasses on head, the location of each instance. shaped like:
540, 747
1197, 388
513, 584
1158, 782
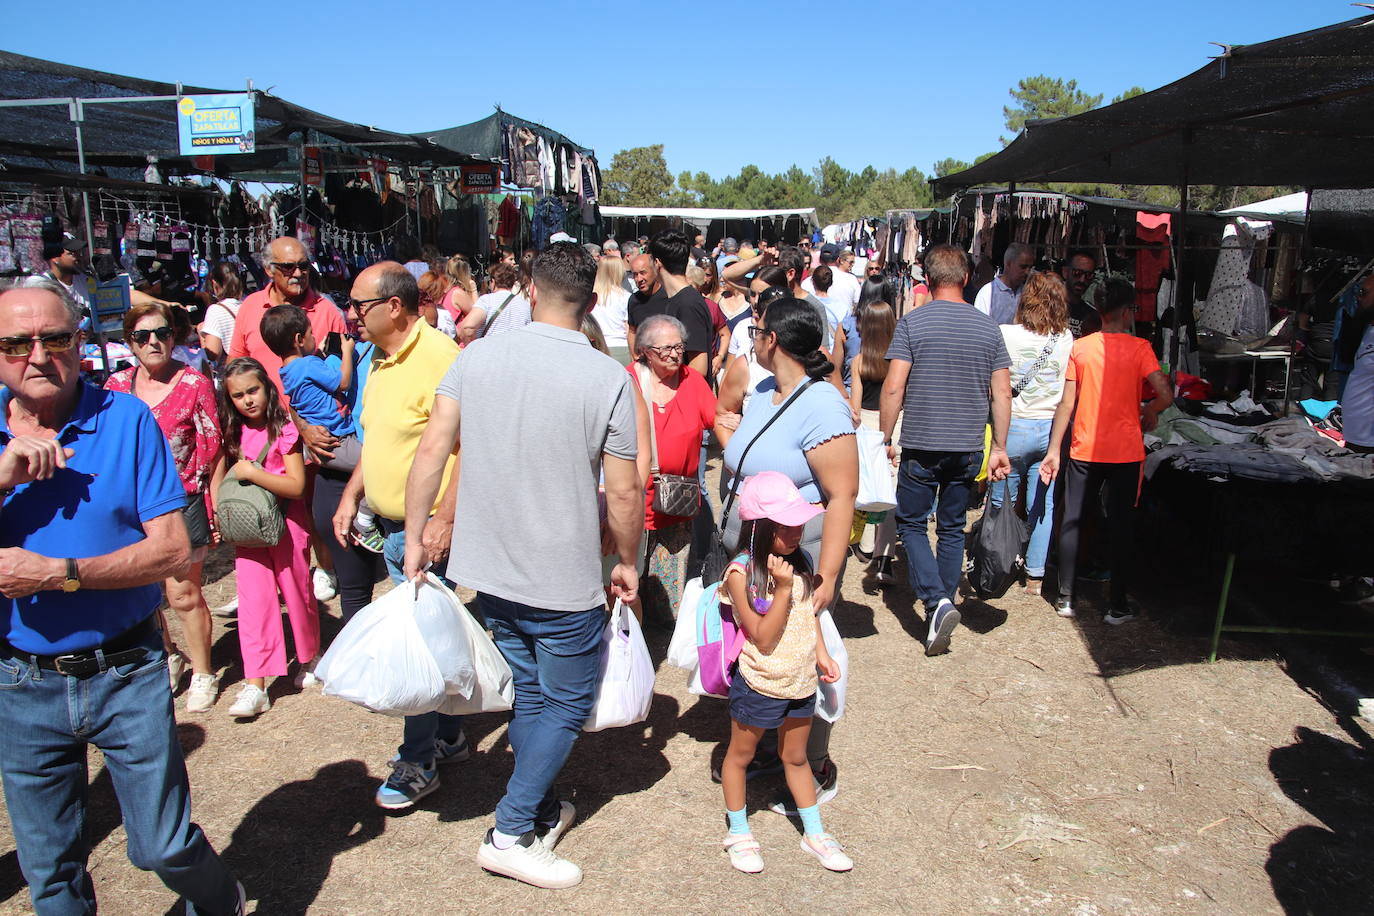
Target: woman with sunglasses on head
682, 407
183, 404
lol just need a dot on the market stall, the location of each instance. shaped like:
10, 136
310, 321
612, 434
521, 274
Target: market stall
1294, 111
776, 226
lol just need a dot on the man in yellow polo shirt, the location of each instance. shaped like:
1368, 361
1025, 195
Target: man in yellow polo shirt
396, 403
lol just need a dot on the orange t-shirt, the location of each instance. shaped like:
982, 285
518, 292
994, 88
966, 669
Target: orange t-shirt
1108, 369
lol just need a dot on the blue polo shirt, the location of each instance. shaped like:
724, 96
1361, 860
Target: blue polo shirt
120, 475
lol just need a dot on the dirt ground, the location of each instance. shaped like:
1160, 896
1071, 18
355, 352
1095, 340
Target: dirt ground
1044, 766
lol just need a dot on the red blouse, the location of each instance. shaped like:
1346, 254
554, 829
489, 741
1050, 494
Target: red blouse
678, 426
188, 419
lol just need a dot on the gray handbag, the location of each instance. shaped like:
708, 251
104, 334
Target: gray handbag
249, 515
674, 494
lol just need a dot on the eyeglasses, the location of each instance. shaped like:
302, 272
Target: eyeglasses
757, 331
356, 305
1081, 274
19, 347
671, 350
290, 267
142, 336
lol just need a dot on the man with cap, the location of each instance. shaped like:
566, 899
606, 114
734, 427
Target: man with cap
729, 254
64, 263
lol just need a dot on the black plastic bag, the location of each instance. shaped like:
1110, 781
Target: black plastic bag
997, 549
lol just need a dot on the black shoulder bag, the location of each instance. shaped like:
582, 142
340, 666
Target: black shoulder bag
717, 558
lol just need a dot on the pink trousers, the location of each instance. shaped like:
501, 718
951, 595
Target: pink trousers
263, 571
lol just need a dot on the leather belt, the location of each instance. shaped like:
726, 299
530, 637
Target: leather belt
123, 649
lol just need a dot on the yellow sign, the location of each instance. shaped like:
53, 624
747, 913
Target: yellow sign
186, 106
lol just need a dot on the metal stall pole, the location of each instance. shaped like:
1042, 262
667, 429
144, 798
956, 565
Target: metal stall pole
78, 114
1180, 266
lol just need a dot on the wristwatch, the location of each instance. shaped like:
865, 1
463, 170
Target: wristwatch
73, 580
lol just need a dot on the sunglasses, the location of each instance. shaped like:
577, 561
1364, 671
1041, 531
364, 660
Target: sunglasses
142, 336
16, 347
356, 305
288, 267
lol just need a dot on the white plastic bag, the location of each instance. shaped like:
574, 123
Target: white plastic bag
437, 613
380, 660
494, 689
877, 489
625, 686
830, 697
682, 649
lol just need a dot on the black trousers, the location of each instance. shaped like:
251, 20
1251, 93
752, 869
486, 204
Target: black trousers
1121, 486
355, 567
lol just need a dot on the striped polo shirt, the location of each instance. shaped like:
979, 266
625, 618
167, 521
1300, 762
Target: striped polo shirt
953, 349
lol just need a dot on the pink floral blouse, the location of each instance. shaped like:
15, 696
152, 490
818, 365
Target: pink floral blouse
188, 419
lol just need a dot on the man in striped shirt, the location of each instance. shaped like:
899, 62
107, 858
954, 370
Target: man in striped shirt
948, 370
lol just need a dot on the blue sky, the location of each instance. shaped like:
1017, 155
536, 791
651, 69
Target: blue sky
882, 83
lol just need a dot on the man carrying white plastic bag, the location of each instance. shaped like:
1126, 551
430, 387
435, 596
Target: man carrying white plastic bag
539, 415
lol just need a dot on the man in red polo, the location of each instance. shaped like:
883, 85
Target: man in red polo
288, 266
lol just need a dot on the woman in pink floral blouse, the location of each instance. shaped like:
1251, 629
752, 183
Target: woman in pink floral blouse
183, 403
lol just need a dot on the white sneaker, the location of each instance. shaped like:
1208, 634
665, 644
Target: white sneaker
549, 835
530, 861
251, 702
176, 667
326, 584
746, 854
828, 849
200, 696
229, 608
306, 676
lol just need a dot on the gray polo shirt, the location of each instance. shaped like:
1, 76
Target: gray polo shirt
539, 406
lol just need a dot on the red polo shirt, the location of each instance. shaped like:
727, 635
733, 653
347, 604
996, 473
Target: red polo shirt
325, 319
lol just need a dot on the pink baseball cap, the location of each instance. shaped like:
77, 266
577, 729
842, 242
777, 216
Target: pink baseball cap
772, 495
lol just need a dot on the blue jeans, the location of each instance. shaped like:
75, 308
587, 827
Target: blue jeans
941, 480
554, 657
1027, 443
420, 732
47, 720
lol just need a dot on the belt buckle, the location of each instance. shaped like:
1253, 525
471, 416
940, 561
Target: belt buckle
60, 661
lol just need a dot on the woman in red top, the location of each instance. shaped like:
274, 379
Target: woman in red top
683, 407
183, 404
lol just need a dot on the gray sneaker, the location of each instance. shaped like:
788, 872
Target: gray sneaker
1117, 616
943, 620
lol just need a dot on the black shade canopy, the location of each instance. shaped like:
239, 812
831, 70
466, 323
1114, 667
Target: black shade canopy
1297, 110
118, 137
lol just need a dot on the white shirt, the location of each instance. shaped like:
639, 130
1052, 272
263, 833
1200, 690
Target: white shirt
1040, 395
219, 321
844, 290
740, 341
611, 315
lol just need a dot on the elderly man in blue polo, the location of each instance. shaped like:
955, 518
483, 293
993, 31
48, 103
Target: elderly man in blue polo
90, 523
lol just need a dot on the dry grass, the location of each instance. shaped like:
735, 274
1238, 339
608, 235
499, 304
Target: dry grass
1010, 776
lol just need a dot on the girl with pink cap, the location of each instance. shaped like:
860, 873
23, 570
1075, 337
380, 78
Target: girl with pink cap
769, 588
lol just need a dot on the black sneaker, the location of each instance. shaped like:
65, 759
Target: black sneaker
941, 626
827, 787
1117, 616
858, 553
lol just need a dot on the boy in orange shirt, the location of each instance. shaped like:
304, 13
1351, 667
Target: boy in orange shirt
1102, 397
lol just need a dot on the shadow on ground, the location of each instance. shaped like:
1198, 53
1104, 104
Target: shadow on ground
1321, 870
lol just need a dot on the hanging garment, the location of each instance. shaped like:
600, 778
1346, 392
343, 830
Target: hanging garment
1150, 263
548, 219
1229, 291
508, 223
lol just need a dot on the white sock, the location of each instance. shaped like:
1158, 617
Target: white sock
502, 840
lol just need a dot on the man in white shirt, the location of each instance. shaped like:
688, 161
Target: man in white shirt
64, 264
844, 286
1000, 299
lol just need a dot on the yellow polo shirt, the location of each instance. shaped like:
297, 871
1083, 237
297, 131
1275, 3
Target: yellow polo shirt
396, 403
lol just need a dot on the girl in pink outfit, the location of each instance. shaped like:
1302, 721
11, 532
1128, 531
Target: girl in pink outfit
251, 416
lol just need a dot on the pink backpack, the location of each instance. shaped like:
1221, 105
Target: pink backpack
719, 641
